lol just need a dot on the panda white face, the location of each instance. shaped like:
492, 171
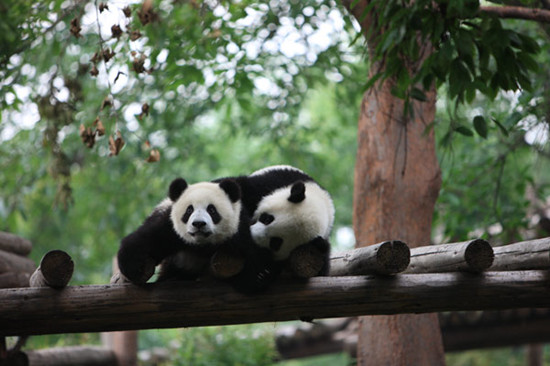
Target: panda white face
292, 216
205, 213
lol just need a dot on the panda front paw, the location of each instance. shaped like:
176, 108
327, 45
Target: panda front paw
138, 269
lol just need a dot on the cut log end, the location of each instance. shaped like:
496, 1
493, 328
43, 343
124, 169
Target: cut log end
479, 255
55, 270
393, 257
226, 264
306, 262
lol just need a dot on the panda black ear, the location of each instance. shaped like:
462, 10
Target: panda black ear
177, 187
297, 192
232, 189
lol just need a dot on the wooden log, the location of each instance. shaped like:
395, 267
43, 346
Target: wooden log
14, 244
531, 254
389, 257
10, 262
28, 311
514, 333
123, 344
312, 339
469, 256
14, 279
70, 356
55, 270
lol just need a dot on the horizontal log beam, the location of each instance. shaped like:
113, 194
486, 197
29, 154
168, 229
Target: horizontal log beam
506, 334
10, 262
14, 279
531, 254
70, 356
14, 244
389, 257
29, 311
469, 256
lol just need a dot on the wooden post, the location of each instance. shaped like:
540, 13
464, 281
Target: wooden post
124, 344
535, 353
55, 270
470, 256
389, 257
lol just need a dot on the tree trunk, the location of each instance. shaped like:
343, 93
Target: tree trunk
397, 181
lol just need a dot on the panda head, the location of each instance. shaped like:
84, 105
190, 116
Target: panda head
292, 216
206, 212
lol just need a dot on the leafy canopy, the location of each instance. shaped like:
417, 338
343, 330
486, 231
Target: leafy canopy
452, 43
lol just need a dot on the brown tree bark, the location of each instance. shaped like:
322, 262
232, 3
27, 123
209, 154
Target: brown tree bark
397, 181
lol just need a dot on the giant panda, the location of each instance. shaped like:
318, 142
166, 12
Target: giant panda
291, 218
183, 232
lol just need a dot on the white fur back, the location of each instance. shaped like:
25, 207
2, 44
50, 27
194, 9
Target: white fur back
274, 167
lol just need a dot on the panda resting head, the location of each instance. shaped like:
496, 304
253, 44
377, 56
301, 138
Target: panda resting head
292, 216
205, 213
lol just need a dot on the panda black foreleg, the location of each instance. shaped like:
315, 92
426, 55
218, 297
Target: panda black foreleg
183, 265
258, 273
142, 250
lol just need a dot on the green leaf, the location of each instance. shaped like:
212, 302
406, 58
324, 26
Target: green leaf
459, 78
418, 95
500, 126
464, 131
480, 125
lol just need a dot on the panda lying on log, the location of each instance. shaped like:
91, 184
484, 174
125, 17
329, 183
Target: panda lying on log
246, 229
183, 232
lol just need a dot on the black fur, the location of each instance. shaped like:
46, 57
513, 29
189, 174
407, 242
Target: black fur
156, 242
231, 188
255, 187
177, 187
260, 269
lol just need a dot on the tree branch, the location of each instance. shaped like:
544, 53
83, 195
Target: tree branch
517, 12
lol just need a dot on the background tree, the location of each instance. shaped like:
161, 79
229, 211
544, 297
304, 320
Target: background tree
397, 178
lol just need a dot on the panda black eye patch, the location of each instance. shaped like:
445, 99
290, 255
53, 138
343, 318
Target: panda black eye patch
275, 243
187, 214
214, 214
266, 218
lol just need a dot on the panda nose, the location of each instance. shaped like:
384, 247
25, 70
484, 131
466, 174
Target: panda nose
199, 224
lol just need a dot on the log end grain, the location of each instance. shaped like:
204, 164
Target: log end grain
226, 264
393, 257
306, 262
479, 255
55, 270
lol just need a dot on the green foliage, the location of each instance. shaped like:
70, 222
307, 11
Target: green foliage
339, 359
492, 357
485, 177
472, 51
240, 345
